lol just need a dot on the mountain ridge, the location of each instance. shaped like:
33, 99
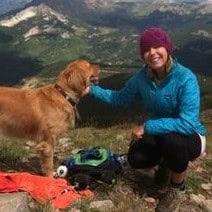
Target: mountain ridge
9, 5
51, 34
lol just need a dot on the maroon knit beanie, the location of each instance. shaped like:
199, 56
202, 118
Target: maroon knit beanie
155, 37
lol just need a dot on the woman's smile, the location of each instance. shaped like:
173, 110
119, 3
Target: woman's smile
156, 58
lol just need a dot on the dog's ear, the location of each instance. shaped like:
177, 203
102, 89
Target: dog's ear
77, 75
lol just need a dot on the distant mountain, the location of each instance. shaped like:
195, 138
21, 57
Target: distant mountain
46, 34
101, 12
8, 5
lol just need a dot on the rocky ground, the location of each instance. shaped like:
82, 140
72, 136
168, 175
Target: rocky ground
133, 186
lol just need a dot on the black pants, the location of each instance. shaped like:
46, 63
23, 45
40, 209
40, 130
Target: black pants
175, 149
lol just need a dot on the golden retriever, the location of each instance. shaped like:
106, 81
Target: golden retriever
44, 114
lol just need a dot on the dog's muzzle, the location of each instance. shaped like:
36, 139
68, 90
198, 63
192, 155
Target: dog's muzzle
94, 79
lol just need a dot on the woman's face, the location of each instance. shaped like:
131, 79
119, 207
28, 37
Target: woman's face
156, 58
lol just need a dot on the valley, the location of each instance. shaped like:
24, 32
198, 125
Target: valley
40, 39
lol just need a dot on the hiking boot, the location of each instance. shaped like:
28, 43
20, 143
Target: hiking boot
171, 201
162, 175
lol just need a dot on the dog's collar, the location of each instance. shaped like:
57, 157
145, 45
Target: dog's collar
67, 97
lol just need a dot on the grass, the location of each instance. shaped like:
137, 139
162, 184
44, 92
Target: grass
193, 183
132, 187
12, 151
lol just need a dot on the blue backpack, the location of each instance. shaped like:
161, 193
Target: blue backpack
91, 167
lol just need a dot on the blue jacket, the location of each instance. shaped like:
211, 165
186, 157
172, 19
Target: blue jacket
173, 105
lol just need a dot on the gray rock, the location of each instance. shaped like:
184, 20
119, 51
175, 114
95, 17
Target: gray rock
103, 206
14, 202
207, 205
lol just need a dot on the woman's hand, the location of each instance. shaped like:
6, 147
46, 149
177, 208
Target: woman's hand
137, 133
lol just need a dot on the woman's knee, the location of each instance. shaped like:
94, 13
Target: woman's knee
143, 154
173, 142
175, 151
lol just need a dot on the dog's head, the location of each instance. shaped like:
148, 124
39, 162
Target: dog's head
78, 76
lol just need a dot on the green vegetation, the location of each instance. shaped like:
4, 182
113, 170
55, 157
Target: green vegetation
11, 152
206, 85
110, 36
194, 183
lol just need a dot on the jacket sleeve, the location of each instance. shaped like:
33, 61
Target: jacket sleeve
120, 98
188, 114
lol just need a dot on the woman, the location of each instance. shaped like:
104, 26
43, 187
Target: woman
171, 96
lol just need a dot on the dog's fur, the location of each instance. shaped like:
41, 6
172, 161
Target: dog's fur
44, 114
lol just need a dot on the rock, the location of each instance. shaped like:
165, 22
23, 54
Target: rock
102, 206
206, 186
75, 151
14, 202
120, 138
64, 140
199, 169
197, 199
149, 200
30, 143
75, 210
207, 205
